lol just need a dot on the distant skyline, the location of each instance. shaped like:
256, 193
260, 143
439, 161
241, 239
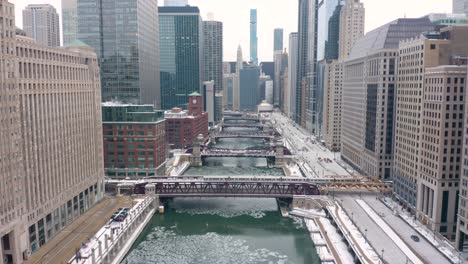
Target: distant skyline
276, 14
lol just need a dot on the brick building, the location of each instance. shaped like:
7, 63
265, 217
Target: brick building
183, 126
134, 140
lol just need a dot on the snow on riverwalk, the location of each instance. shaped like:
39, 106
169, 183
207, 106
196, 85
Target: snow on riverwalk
388, 230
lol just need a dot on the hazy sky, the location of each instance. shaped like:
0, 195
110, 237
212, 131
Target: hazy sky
278, 13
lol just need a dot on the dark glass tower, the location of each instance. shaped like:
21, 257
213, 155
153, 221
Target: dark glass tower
180, 30
253, 37
278, 39
124, 34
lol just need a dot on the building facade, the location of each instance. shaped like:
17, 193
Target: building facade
306, 97
442, 121
292, 73
369, 88
249, 88
277, 39
183, 126
134, 141
213, 53
460, 7
253, 37
41, 22
53, 171
69, 21
175, 2
129, 63
181, 31
208, 96
352, 25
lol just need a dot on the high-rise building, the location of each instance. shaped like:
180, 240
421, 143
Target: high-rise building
442, 120
41, 22
219, 106
213, 53
281, 65
292, 73
181, 35
12, 199
352, 24
208, 96
253, 37
129, 61
69, 21
351, 28
249, 85
52, 170
426, 139
306, 96
175, 2
230, 82
278, 39
369, 88
269, 92
328, 16
461, 242
134, 140
460, 7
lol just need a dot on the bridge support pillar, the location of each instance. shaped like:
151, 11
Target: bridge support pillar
279, 155
196, 155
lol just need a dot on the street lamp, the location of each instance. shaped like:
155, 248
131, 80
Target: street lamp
382, 255
365, 234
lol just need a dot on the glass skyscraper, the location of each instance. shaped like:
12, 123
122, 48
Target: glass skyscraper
69, 21
249, 87
181, 39
278, 40
124, 34
253, 37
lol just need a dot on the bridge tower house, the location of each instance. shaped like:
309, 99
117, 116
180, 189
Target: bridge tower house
279, 149
196, 155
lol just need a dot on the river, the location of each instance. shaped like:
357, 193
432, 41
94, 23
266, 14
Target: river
225, 230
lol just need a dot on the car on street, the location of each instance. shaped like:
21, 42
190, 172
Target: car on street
415, 238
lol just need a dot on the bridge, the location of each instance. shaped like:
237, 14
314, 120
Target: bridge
241, 118
237, 153
253, 125
264, 135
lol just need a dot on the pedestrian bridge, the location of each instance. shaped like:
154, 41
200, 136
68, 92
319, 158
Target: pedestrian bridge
241, 118
247, 125
235, 153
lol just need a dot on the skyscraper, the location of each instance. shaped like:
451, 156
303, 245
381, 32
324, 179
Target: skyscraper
249, 84
460, 7
306, 96
129, 61
175, 2
292, 73
253, 37
213, 53
369, 94
278, 39
352, 23
69, 21
181, 31
41, 22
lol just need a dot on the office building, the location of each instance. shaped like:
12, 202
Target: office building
183, 126
442, 120
213, 53
461, 242
69, 21
278, 39
175, 2
352, 25
351, 28
292, 73
51, 137
460, 7
41, 22
281, 66
306, 95
219, 106
269, 91
426, 166
268, 68
134, 140
230, 81
249, 86
253, 37
129, 62
284, 102
181, 31
369, 90
262, 82
208, 96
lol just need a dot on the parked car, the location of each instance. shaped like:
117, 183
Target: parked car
415, 238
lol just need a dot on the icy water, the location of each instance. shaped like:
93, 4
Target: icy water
225, 230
